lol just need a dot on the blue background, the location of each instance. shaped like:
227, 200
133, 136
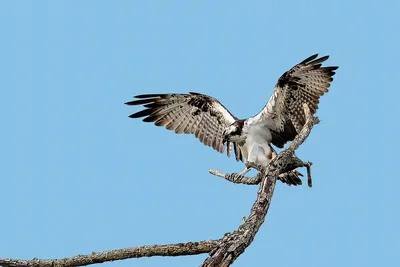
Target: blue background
77, 175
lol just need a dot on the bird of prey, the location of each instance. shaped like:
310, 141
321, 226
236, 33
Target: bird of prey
281, 119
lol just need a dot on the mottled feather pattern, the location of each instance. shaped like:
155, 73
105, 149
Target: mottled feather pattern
291, 177
304, 83
279, 121
191, 113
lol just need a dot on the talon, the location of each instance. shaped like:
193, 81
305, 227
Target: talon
250, 164
236, 176
260, 168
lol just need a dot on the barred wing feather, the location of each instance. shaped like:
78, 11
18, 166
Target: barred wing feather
192, 113
304, 83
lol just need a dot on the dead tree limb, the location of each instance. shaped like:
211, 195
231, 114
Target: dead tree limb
223, 252
237, 179
234, 244
181, 249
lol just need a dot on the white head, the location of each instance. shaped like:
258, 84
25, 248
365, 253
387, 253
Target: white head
233, 132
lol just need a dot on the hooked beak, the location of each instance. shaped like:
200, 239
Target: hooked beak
225, 139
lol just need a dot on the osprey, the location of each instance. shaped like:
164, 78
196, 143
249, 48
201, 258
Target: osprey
281, 119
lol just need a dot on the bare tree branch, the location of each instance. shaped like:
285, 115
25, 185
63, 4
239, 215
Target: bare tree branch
180, 249
234, 244
308, 166
223, 252
237, 179
255, 180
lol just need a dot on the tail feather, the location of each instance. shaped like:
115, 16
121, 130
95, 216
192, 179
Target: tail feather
291, 177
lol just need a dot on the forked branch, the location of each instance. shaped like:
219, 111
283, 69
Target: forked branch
223, 252
234, 244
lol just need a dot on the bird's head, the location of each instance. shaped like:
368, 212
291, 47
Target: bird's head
233, 132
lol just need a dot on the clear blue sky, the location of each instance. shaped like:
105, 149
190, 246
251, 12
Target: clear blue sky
77, 175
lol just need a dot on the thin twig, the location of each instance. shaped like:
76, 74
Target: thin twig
308, 165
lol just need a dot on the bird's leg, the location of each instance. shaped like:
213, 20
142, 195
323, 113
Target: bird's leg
253, 165
242, 173
249, 165
259, 168
232, 176
246, 170
240, 176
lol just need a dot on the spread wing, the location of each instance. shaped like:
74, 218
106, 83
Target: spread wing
193, 113
304, 83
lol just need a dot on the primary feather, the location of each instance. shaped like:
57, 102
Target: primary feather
304, 83
278, 122
193, 113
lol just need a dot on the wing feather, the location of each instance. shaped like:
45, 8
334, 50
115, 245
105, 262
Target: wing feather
184, 120
198, 127
304, 83
192, 113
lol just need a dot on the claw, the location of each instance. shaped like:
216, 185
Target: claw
253, 165
250, 164
236, 176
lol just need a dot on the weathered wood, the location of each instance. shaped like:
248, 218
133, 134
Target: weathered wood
234, 244
238, 179
223, 252
181, 249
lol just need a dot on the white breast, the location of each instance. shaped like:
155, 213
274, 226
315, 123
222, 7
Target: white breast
256, 148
